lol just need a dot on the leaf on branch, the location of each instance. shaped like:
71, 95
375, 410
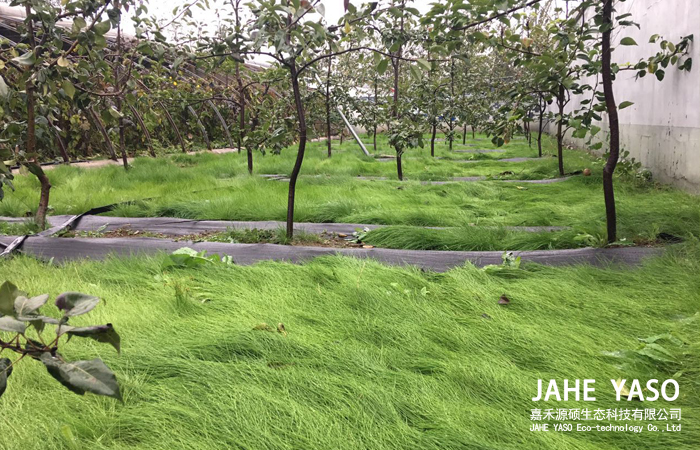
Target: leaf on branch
25, 306
624, 105
5, 372
4, 89
100, 333
12, 325
68, 88
382, 66
102, 27
114, 112
62, 61
423, 63
27, 59
8, 294
83, 376
75, 303
628, 41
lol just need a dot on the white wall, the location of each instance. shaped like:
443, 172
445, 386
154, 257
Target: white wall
662, 128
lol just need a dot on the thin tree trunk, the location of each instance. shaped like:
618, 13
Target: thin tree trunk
300, 152
146, 134
399, 168
33, 165
452, 96
473, 132
397, 64
241, 96
328, 107
170, 119
432, 139
539, 131
611, 106
61, 146
122, 137
560, 134
374, 115
464, 134
105, 135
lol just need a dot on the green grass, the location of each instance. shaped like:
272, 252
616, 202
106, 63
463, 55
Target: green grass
209, 186
375, 357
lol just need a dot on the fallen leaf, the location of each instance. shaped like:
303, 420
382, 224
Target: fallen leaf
486, 316
342, 235
281, 329
522, 188
504, 300
263, 327
368, 246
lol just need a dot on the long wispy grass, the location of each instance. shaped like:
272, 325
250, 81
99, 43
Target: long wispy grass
210, 186
375, 357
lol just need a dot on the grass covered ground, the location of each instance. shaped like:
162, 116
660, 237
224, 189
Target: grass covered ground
375, 357
209, 186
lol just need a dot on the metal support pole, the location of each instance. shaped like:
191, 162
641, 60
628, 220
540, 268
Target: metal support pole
347, 124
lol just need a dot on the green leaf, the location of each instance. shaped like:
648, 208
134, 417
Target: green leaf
83, 376
624, 105
8, 294
4, 90
382, 66
659, 74
25, 60
25, 306
424, 63
75, 303
628, 41
102, 27
62, 61
100, 333
9, 323
114, 112
68, 88
656, 352
5, 372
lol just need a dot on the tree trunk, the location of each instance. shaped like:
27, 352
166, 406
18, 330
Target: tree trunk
249, 151
560, 134
432, 140
105, 135
64, 126
241, 96
61, 147
374, 115
539, 131
614, 153
399, 168
300, 152
396, 62
464, 134
32, 154
452, 96
473, 132
328, 108
122, 137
